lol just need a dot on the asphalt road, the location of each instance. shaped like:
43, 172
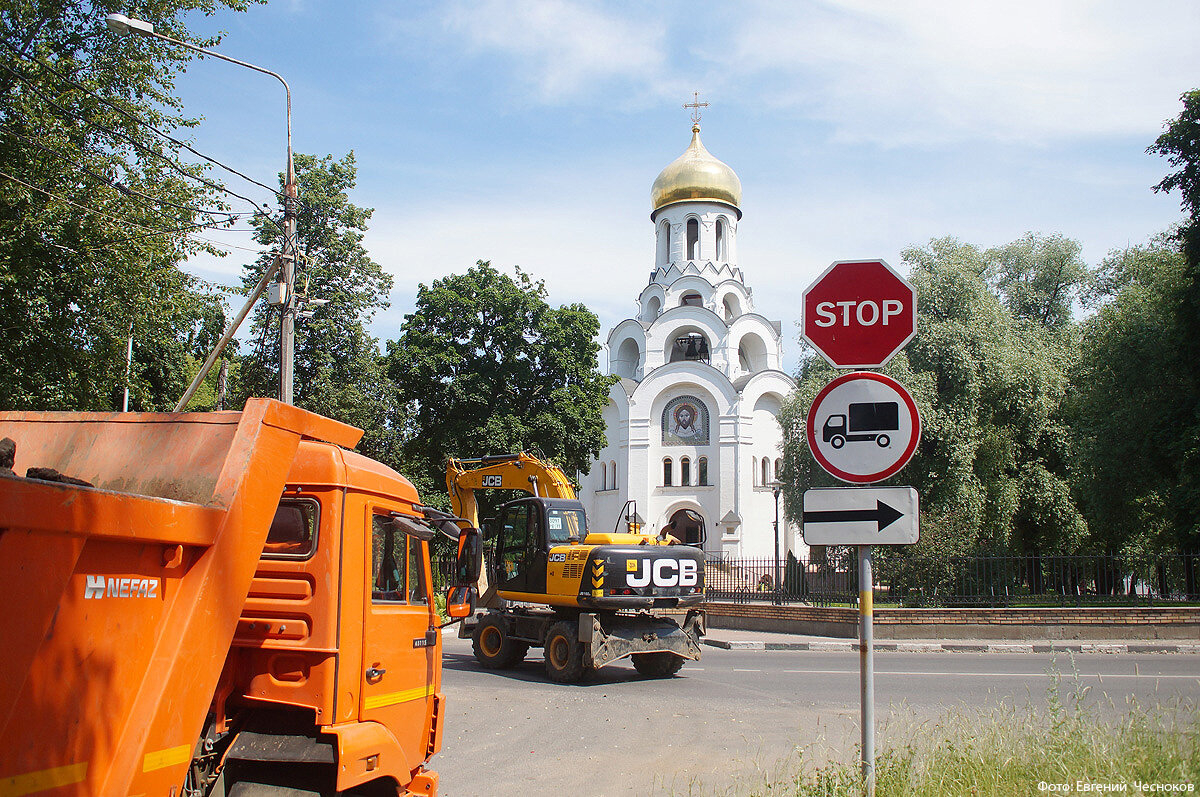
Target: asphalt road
737, 718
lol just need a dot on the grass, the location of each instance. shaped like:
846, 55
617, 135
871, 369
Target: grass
1003, 751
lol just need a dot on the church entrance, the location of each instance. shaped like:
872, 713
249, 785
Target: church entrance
687, 526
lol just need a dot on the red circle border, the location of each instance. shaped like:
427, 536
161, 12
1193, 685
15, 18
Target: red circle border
871, 478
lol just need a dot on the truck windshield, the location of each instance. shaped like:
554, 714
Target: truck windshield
562, 524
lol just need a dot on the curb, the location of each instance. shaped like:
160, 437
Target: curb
961, 647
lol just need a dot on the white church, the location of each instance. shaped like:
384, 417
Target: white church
692, 431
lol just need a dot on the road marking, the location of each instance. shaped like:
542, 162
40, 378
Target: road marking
735, 669
990, 674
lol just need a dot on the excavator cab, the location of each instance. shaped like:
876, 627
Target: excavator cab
525, 530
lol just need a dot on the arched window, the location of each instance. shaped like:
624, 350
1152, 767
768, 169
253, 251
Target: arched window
603, 476
702, 471
693, 239
691, 299
721, 240
778, 468
754, 471
685, 472
664, 242
653, 308
612, 475
667, 477
766, 471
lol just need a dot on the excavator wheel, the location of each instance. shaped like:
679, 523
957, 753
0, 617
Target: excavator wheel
564, 652
493, 647
657, 665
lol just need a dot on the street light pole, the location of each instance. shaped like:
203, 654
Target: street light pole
122, 24
777, 486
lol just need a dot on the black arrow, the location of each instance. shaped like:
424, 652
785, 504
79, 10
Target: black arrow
882, 514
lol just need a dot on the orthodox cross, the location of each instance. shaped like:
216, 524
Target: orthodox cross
695, 105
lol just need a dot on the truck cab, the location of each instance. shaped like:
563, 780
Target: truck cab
337, 639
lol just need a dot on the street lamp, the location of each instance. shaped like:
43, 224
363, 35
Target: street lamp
119, 23
777, 487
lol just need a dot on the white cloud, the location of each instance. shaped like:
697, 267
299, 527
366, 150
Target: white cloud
563, 47
931, 71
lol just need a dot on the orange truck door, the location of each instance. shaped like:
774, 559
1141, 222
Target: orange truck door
400, 675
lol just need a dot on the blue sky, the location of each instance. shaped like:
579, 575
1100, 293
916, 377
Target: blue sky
530, 132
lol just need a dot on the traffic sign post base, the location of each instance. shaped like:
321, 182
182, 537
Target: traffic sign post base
866, 660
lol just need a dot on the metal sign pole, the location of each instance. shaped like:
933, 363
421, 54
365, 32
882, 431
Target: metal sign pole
866, 659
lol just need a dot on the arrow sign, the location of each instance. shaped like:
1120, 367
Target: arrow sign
882, 515
861, 516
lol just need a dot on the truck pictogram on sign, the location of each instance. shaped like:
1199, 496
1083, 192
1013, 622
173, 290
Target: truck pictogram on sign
869, 421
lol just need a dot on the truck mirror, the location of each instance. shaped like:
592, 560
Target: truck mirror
469, 562
412, 527
460, 602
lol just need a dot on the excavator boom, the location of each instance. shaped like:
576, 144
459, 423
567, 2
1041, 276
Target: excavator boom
502, 472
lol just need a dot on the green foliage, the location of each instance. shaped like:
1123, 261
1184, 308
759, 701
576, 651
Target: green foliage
989, 383
94, 209
1126, 414
484, 366
338, 369
1180, 144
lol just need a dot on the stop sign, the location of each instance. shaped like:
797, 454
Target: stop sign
859, 313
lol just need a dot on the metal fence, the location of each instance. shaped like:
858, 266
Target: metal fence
1001, 580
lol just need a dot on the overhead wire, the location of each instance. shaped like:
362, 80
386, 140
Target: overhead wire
133, 192
149, 126
150, 230
118, 185
136, 144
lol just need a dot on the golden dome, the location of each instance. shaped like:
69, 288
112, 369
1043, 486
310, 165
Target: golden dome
696, 174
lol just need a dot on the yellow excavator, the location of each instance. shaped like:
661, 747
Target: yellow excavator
588, 598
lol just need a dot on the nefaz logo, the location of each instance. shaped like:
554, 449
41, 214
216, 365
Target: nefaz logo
661, 572
114, 587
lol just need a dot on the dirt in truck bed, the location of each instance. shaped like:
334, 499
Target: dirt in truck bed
8, 456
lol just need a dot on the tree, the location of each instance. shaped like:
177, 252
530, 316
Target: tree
337, 367
1038, 278
1126, 414
95, 209
1180, 144
484, 365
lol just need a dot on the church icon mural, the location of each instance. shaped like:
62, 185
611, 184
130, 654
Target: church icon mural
685, 422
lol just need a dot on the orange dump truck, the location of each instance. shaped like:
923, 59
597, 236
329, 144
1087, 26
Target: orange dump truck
239, 605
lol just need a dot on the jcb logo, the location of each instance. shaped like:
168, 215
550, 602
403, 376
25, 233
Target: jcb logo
493, 481
662, 572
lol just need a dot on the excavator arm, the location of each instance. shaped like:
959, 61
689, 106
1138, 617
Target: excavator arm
502, 472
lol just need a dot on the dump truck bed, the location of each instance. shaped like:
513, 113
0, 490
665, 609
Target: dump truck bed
120, 600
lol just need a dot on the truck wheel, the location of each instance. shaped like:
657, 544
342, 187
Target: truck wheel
657, 665
564, 653
883, 440
838, 441
493, 647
